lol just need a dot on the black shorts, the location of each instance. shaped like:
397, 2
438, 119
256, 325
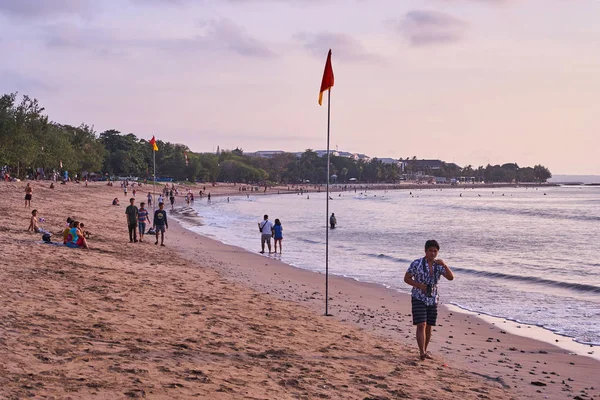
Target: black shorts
423, 313
27, 197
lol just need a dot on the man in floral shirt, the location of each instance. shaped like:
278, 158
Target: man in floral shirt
423, 275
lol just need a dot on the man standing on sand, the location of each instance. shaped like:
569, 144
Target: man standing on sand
265, 228
332, 221
28, 194
423, 275
132, 220
172, 200
160, 223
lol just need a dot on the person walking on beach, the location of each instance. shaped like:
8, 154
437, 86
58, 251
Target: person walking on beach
172, 200
149, 200
132, 220
423, 275
160, 223
28, 194
142, 219
277, 235
332, 221
266, 230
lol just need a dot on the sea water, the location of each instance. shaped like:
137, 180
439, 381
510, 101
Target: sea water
525, 254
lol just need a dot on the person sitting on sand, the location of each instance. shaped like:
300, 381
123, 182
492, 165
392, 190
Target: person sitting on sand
67, 231
423, 275
52, 185
86, 233
115, 202
75, 237
33, 224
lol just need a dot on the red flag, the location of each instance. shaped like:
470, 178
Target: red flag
327, 82
153, 143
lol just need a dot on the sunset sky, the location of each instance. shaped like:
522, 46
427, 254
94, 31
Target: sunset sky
467, 81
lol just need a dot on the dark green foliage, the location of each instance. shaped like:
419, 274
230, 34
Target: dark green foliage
28, 140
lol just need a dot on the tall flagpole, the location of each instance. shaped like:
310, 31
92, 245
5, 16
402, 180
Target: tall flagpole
154, 185
327, 211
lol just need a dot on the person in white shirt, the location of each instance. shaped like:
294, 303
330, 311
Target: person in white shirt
160, 199
265, 229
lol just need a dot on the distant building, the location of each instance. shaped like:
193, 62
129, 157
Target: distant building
266, 153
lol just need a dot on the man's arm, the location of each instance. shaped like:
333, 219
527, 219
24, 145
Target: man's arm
447, 271
166, 223
408, 278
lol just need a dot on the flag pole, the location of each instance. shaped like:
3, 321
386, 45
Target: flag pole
154, 185
327, 211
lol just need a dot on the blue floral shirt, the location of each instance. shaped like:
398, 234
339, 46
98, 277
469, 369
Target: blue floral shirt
420, 273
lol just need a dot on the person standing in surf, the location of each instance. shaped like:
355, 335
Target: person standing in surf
332, 221
265, 228
423, 275
277, 235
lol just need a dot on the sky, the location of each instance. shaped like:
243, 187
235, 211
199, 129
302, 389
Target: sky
467, 81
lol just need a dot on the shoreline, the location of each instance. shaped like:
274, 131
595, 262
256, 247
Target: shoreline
538, 332
386, 313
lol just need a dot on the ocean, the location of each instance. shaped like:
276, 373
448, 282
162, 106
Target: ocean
523, 254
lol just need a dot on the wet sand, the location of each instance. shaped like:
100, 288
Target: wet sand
199, 319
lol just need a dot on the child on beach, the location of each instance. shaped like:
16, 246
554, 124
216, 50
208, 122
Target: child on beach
33, 224
277, 235
28, 194
423, 275
142, 219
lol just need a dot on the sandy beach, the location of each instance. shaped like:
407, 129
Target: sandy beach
200, 319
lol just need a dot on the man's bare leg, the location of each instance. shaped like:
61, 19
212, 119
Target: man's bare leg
427, 339
421, 328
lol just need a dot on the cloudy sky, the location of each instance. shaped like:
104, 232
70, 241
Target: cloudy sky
468, 81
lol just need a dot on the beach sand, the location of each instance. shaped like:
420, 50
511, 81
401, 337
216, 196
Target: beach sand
200, 319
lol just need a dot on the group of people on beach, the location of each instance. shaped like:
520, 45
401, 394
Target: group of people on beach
423, 275
270, 230
138, 219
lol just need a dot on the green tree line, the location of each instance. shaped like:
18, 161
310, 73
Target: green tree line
30, 141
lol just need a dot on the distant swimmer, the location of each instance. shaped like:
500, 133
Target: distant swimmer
330, 198
479, 195
460, 195
332, 221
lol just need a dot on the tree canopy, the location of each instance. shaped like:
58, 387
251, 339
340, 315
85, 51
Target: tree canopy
30, 142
